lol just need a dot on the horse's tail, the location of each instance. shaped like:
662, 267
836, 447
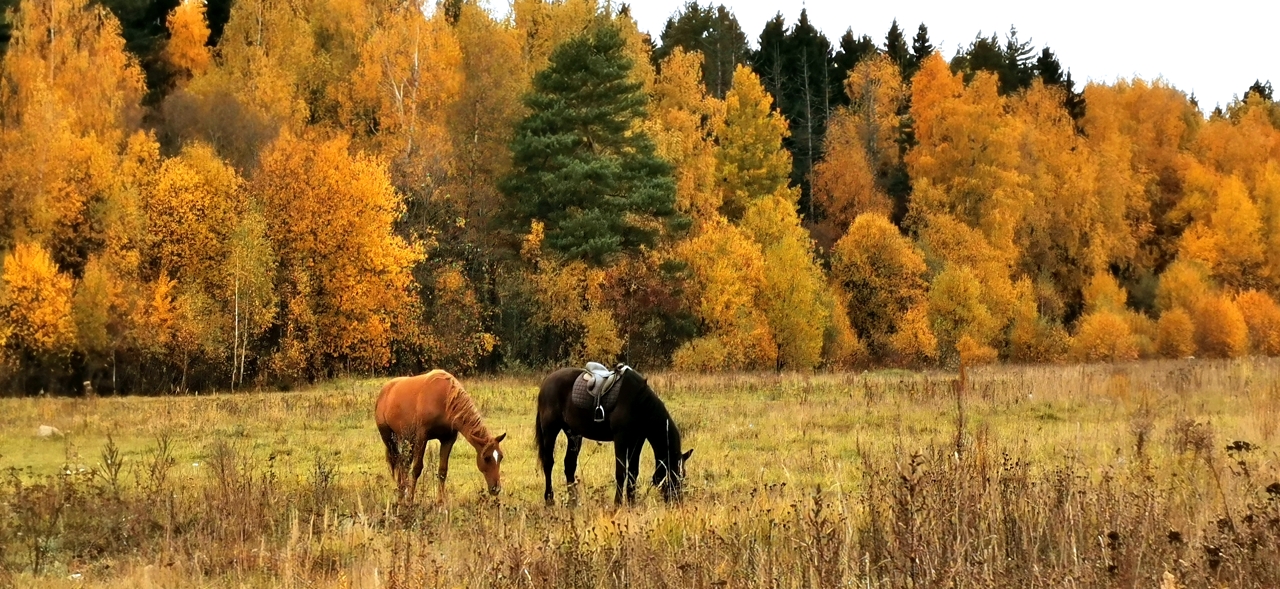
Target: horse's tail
538, 435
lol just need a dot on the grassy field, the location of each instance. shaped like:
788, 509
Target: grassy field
1135, 475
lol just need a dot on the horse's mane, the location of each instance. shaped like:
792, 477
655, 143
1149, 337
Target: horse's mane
462, 414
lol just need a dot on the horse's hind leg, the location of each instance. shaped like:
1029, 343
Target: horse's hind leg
547, 455
393, 455
571, 465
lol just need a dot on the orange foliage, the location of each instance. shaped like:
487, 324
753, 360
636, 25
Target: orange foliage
188, 32
1221, 331
67, 61
728, 279
1176, 334
883, 274
957, 311
494, 77
1262, 315
456, 335
686, 121
794, 298
972, 353
1139, 128
1183, 284
1104, 294
1104, 336
193, 209
36, 302
966, 159
876, 94
1032, 337
842, 348
844, 183
751, 162
330, 215
405, 85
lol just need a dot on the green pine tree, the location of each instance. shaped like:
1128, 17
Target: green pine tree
580, 164
1050, 72
770, 61
920, 49
895, 46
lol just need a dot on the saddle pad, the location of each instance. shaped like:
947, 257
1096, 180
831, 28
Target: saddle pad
582, 399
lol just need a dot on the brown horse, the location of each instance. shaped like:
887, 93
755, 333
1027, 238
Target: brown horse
433, 406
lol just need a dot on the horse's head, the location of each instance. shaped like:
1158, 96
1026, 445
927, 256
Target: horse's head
489, 461
671, 480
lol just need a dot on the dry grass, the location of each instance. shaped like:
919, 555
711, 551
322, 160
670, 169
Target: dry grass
1137, 475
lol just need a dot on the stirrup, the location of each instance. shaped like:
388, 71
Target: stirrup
599, 415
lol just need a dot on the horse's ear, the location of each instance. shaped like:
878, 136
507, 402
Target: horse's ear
498, 440
686, 455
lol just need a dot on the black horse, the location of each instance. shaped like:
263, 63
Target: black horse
639, 416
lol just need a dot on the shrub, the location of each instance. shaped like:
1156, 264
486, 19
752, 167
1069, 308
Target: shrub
1220, 328
1175, 334
973, 353
1262, 316
1104, 294
1183, 284
1104, 336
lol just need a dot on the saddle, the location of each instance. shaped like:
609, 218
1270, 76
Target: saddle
597, 388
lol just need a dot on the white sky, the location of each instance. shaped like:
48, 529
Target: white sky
1212, 49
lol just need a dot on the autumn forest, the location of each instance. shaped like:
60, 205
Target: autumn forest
268, 192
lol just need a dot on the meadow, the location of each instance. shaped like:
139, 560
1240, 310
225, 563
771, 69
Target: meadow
1151, 474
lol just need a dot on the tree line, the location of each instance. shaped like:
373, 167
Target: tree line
266, 192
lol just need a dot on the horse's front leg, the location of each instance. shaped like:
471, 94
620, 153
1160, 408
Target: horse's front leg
622, 469
633, 471
446, 446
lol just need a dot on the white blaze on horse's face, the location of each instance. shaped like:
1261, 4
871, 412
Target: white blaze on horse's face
496, 457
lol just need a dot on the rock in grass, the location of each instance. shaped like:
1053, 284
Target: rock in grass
48, 431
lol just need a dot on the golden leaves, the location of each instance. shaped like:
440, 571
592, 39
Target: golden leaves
686, 121
751, 162
408, 78
884, 275
331, 216
844, 182
195, 204
37, 301
186, 51
729, 275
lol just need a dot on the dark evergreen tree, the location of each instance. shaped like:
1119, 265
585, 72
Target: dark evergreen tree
895, 46
713, 32
578, 165
807, 103
1011, 62
143, 24
1262, 89
920, 49
1050, 72
852, 50
770, 60
218, 12
1019, 64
